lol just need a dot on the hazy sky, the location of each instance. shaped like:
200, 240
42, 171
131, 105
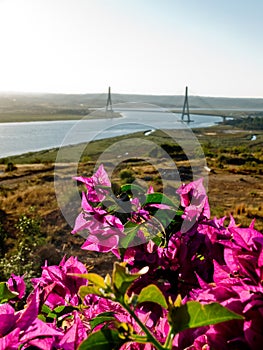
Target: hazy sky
135, 46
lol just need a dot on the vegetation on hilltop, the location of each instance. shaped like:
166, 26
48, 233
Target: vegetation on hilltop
254, 122
29, 107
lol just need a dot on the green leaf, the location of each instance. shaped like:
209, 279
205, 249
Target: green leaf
52, 315
104, 339
45, 309
5, 293
122, 278
158, 198
129, 226
194, 314
94, 278
132, 188
152, 293
130, 231
107, 280
47, 314
103, 187
158, 240
85, 290
57, 312
59, 309
102, 318
63, 310
42, 318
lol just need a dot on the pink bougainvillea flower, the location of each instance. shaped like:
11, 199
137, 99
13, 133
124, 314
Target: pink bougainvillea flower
41, 335
138, 213
243, 253
106, 236
17, 284
142, 211
75, 333
24, 328
96, 185
10, 341
104, 240
101, 230
194, 200
170, 254
150, 190
147, 253
200, 343
58, 287
7, 319
237, 285
89, 218
155, 318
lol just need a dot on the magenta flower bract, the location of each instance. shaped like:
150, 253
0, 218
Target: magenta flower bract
58, 287
194, 200
96, 185
74, 335
17, 284
105, 239
102, 230
24, 327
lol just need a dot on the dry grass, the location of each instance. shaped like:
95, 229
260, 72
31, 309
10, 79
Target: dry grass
240, 196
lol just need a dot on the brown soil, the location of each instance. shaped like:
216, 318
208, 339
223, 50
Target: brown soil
238, 195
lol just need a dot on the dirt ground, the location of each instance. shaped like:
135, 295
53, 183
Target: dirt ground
239, 195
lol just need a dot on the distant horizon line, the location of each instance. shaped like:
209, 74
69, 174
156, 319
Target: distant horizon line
5, 92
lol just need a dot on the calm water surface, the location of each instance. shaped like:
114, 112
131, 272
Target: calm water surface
18, 138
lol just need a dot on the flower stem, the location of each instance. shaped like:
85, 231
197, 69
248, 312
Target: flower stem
169, 339
150, 337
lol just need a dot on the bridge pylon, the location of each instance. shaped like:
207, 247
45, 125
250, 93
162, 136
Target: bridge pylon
109, 102
186, 107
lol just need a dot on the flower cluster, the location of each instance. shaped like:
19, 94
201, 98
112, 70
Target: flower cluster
183, 280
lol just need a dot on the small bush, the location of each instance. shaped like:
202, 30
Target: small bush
127, 176
22, 259
10, 167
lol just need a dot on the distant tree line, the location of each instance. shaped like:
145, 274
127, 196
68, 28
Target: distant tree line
249, 123
73, 111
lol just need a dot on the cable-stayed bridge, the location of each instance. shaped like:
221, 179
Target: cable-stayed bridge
186, 112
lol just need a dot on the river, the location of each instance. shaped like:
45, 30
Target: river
23, 137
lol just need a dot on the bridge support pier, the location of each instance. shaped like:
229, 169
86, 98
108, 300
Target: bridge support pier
109, 102
186, 107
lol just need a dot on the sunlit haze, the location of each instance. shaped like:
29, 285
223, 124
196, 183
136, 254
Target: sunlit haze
135, 46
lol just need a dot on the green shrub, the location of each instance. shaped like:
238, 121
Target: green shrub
22, 259
10, 167
127, 176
